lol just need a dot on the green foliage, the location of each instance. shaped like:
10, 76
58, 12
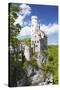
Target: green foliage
52, 65
44, 52
33, 60
14, 29
46, 67
53, 58
53, 61
33, 63
15, 66
26, 64
27, 41
14, 8
19, 70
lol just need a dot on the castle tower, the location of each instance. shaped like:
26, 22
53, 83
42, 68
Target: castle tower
34, 25
38, 37
38, 41
34, 33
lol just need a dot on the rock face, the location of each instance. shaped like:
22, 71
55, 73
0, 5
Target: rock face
41, 59
37, 76
27, 52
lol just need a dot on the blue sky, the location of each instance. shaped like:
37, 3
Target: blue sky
46, 14
47, 18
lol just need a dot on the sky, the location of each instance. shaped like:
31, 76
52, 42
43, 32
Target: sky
47, 18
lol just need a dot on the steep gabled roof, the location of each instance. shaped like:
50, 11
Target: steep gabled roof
42, 32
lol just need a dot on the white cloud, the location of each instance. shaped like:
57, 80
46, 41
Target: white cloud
50, 28
19, 20
25, 11
25, 31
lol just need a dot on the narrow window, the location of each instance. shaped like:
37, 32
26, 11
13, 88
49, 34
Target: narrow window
36, 45
37, 41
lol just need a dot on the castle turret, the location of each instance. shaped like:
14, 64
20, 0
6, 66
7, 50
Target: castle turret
38, 37
34, 30
34, 20
34, 25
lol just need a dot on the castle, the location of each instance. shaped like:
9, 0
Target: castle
38, 43
38, 37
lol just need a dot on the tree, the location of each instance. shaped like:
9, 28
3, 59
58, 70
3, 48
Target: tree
53, 61
13, 41
14, 29
52, 65
27, 41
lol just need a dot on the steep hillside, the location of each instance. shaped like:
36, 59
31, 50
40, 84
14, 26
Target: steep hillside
53, 61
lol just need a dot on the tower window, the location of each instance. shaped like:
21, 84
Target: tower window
37, 41
36, 45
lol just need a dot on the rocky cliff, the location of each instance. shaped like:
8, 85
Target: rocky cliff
34, 75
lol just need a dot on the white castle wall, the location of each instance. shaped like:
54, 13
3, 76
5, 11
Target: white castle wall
38, 38
27, 53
